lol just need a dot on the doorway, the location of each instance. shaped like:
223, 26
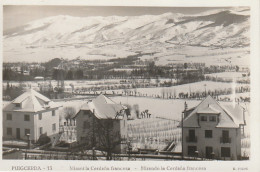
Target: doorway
209, 151
18, 136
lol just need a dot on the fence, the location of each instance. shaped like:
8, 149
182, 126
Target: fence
69, 133
153, 133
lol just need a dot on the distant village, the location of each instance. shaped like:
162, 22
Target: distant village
129, 73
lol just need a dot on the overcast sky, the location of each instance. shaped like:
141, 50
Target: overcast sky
15, 16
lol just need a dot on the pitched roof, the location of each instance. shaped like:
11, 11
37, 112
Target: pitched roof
103, 107
211, 106
208, 110
238, 113
31, 101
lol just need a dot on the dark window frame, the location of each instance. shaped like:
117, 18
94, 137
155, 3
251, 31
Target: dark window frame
192, 153
203, 118
26, 131
208, 133
25, 117
212, 118
9, 131
225, 152
41, 130
40, 116
54, 127
9, 117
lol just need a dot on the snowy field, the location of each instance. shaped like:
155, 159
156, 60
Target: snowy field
227, 75
170, 109
237, 95
185, 88
78, 84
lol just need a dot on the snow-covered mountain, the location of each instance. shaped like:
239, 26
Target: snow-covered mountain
116, 36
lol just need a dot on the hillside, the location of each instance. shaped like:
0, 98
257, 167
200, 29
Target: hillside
214, 36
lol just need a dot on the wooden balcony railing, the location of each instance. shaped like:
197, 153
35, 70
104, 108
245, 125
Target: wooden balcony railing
191, 139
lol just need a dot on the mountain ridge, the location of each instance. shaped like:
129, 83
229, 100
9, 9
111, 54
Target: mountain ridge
221, 29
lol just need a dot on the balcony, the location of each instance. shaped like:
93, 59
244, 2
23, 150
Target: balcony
191, 139
225, 140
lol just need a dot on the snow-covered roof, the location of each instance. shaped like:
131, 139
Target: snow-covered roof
30, 101
238, 113
210, 106
39, 77
103, 107
208, 110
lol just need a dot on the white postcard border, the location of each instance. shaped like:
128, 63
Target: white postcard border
252, 164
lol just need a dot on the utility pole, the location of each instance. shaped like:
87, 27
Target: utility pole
205, 85
28, 138
93, 135
182, 139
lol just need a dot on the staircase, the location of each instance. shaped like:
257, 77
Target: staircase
170, 147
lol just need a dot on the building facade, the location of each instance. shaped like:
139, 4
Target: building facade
102, 124
211, 131
30, 113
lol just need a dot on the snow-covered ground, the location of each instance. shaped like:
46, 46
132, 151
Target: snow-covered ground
170, 109
185, 88
229, 75
91, 83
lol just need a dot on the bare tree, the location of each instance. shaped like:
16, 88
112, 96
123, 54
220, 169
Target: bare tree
107, 137
101, 135
68, 113
136, 110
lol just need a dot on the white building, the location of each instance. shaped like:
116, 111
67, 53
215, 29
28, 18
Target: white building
212, 131
30, 113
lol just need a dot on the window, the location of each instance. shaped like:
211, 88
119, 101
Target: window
17, 105
225, 133
225, 152
27, 131
86, 125
40, 116
192, 150
203, 118
9, 131
53, 113
191, 137
213, 118
53, 127
26, 117
41, 130
9, 116
209, 152
192, 133
225, 137
208, 133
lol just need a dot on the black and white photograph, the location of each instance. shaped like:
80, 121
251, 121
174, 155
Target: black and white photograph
126, 83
